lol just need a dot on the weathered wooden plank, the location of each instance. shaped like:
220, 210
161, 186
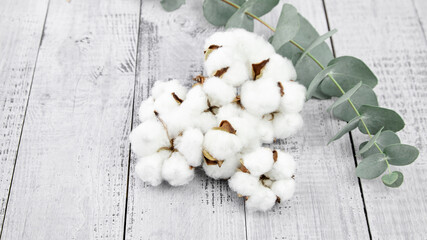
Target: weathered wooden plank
71, 171
387, 35
421, 12
327, 203
171, 46
21, 24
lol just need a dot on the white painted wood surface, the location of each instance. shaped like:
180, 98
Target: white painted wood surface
21, 27
71, 177
71, 170
171, 46
388, 36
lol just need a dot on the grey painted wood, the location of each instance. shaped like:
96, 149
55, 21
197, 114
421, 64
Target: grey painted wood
171, 46
388, 36
71, 170
21, 25
327, 203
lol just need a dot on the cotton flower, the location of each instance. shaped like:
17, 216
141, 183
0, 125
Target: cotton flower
279, 68
224, 170
218, 92
167, 95
284, 188
177, 171
146, 109
261, 96
293, 98
263, 200
148, 138
149, 169
221, 144
190, 145
286, 125
259, 161
283, 167
244, 184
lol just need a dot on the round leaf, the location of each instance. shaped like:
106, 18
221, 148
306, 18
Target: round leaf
371, 142
348, 72
385, 139
171, 5
218, 12
347, 128
372, 166
363, 96
257, 7
376, 117
397, 182
316, 42
287, 26
307, 69
401, 154
389, 179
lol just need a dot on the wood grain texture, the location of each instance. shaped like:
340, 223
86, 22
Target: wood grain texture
388, 36
71, 170
21, 26
171, 46
327, 203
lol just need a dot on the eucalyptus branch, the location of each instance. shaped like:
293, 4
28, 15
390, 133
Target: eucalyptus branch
320, 65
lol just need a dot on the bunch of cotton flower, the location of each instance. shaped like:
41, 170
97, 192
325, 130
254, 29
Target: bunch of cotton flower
264, 178
167, 144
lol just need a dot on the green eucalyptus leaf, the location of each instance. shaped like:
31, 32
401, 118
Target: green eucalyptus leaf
348, 71
345, 97
316, 43
347, 128
372, 166
307, 69
363, 96
287, 26
171, 5
317, 81
396, 183
371, 142
376, 117
385, 139
218, 12
257, 7
401, 154
389, 179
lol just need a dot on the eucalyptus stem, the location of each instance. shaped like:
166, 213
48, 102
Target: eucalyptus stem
320, 65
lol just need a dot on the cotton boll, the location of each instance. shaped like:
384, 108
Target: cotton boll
261, 96
204, 121
149, 169
265, 130
226, 39
236, 74
246, 131
162, 88
259, 161
176, 170
190, 146
280, 69
195, 101
294, 98
221, 144
177, 121
287, 124
146, 110
284, 189
255, 47
148, 137
165, 103
244, 183
228, 111
219, 93
227, 169
263, 200
221, 58
284, 167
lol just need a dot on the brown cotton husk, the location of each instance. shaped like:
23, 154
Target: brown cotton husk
275, 155
210, 160
200, 79
282, 90
226, 126
242, 167
220, 72
257, 68
210, 49
177, 99
277, 199
238, 101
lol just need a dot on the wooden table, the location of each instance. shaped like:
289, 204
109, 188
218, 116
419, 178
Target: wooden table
72, 76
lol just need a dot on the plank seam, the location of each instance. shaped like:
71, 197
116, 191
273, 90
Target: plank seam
132, 117
23, 120
419, 20
349, 134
